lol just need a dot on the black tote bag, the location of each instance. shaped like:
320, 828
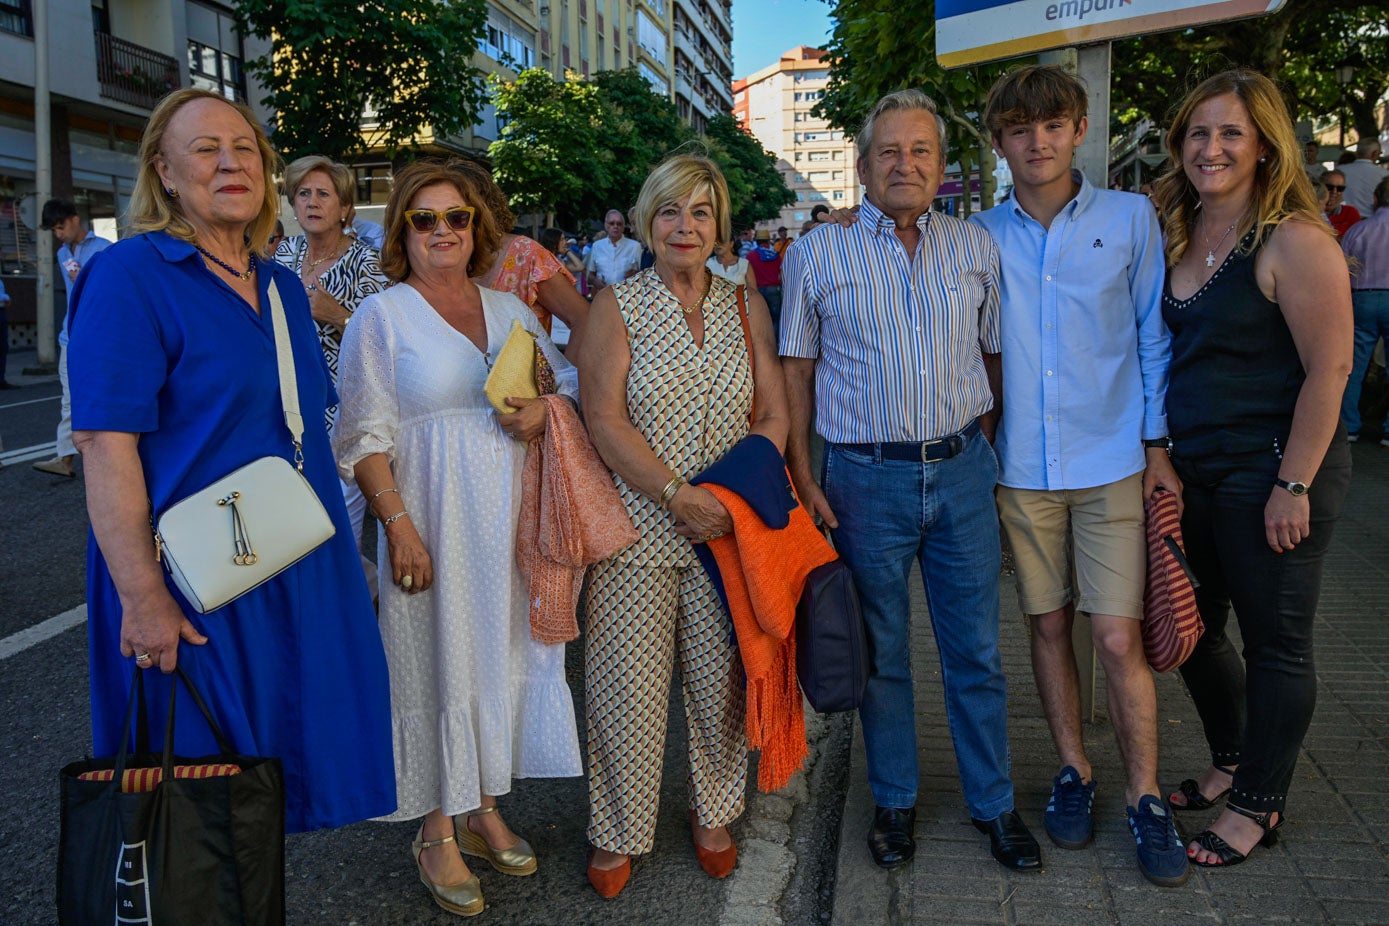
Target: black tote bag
831, 643
190, 850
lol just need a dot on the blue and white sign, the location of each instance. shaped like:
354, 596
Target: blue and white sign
974, 31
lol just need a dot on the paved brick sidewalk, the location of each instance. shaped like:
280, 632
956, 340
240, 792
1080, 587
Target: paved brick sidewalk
1331, 867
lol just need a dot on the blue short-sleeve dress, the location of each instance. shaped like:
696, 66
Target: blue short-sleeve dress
162, 348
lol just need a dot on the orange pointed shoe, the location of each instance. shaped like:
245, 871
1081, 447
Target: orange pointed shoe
717, 863
609, 882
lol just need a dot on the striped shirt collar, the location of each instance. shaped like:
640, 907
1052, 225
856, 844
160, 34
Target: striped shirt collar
871, 217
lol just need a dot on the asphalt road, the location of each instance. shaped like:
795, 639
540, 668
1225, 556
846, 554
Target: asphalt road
360, 874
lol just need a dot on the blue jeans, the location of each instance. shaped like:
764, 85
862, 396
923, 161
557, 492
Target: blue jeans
1371, 324
942, 515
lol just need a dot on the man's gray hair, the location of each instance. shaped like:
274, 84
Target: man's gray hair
1367, 147
898, 100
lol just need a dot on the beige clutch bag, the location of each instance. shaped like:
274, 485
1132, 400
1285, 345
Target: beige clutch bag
513, 372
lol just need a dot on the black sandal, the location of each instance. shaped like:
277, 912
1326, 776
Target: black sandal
1226, 854
1190, 790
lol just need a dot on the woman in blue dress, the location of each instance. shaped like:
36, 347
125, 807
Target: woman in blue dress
174, 385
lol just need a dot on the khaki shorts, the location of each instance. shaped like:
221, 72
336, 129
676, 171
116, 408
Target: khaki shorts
1086, 546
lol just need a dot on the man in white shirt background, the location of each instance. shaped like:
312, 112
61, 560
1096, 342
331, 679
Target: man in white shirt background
1363, 175
614, 258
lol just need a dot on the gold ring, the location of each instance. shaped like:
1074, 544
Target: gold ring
407, 581
142, 657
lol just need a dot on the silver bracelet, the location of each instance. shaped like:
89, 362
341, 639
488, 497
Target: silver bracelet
395, 517
381, 493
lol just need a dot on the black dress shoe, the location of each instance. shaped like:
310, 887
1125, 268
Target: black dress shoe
1011, 842
890, 838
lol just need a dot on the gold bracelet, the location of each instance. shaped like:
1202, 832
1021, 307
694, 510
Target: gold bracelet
672, 487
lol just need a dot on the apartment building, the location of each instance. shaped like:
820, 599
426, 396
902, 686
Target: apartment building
702, 33
562, 37
817, 161
110, 61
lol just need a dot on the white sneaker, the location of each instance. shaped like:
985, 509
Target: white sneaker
56, 467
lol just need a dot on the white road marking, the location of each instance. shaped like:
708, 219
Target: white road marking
44, 630
48, 398
25, 454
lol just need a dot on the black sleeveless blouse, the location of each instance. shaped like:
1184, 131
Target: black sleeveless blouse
1235, 372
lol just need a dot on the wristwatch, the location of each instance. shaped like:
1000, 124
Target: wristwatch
1296, 488
1159, 443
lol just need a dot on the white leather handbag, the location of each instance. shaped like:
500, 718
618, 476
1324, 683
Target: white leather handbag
253, 523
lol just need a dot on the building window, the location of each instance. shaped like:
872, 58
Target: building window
214, 52
16, 17
507, 42
650, 37
819, 155
838, 195
658, 81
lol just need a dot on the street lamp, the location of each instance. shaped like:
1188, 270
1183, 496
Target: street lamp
1345, 73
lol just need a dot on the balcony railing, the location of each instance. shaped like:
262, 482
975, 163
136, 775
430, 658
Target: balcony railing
133, 74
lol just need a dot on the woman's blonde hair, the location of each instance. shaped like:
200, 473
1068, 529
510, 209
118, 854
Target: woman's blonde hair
1281, 187
395, 260
677, 177
339, 175
151, 206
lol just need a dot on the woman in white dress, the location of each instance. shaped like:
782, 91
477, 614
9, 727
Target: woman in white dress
475, 702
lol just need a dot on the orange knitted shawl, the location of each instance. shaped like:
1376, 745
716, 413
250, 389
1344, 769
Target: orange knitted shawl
763, 572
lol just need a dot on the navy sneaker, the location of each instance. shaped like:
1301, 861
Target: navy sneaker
1068, 821
1161, 854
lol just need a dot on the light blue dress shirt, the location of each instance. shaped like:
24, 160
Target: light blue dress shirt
1085, 349
83, 253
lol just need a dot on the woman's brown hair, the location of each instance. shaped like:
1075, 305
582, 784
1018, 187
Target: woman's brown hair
395, 263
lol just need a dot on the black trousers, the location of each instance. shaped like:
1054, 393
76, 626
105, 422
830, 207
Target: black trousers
1255, 709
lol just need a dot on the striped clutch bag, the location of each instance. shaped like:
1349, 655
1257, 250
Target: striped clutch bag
1171, 621
144, 780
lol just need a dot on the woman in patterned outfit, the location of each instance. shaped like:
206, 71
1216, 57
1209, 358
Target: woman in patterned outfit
338, 271
668, 388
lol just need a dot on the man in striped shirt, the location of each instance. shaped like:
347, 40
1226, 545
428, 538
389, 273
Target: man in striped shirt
891, 328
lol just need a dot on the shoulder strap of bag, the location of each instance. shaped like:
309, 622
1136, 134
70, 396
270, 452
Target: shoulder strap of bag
289, 384
747, 339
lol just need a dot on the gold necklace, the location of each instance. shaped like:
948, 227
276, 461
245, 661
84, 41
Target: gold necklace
331, 254
691, 309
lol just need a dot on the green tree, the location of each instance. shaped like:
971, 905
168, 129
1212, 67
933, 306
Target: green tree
884, 45
333, 60
575, 149
552, 154
879, 46
640, 128
756, 188
1299, 46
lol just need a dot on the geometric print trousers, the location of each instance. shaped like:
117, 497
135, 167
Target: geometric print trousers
640, 621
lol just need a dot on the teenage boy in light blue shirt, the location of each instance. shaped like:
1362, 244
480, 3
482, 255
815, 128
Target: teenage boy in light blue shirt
1081, 441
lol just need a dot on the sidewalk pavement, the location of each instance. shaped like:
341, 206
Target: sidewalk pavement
1332, 865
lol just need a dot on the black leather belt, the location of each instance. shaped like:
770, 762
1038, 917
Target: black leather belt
931, 451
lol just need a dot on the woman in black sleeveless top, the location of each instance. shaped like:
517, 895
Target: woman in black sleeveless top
1258, 302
